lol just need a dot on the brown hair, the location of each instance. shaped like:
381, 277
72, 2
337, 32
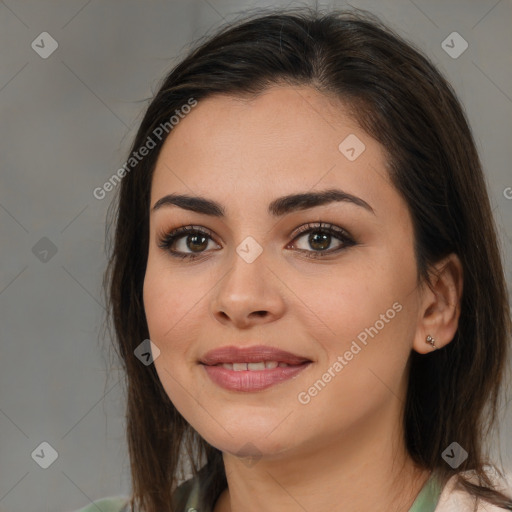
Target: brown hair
401, 100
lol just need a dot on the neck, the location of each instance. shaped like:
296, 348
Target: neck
366, 468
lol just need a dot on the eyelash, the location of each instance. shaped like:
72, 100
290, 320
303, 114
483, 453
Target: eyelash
167, 239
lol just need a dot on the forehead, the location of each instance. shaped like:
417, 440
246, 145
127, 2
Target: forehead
282, 121
286, 139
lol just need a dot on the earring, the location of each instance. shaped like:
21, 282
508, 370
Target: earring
431, 340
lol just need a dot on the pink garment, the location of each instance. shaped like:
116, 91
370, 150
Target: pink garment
458, 500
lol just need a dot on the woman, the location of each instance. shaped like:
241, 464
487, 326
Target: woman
305, 236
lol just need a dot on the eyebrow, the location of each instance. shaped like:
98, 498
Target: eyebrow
277, 208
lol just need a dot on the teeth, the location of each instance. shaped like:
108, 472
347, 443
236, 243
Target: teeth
262, 365
256, 366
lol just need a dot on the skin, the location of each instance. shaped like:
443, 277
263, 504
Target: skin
344, 450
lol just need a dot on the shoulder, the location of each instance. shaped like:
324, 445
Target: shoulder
108, 504
455, 499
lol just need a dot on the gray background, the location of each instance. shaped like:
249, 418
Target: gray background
66, 124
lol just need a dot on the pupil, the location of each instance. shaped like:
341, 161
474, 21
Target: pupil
322, 239
194, 239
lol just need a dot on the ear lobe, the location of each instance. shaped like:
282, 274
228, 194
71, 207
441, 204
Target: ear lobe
440, 310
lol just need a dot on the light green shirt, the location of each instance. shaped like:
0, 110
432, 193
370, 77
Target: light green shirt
188, 499
428, 497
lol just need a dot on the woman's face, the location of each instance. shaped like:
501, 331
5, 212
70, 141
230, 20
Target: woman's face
349, 315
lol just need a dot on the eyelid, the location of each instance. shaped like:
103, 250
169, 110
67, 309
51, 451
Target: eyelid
320, 226
183, 229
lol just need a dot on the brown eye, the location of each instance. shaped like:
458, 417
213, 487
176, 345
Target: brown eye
196, 243
180, 241
320, 237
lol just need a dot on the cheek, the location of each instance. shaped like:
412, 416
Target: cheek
157, 304
167, 301
174, 309
370, 315
345, 303
166, 304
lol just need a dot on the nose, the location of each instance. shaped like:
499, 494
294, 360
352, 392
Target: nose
248, 294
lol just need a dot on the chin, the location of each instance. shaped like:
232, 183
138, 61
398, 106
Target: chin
247, 441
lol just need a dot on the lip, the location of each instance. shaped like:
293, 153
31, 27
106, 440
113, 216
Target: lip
251, 380
253, 354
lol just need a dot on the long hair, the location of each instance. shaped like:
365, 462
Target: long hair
402, 101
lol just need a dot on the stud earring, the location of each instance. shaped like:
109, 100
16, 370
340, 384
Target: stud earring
431, 340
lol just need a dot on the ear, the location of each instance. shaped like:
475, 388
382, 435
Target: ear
440, 305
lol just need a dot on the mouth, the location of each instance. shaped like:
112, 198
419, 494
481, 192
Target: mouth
251, 368
256, 354
260, 365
